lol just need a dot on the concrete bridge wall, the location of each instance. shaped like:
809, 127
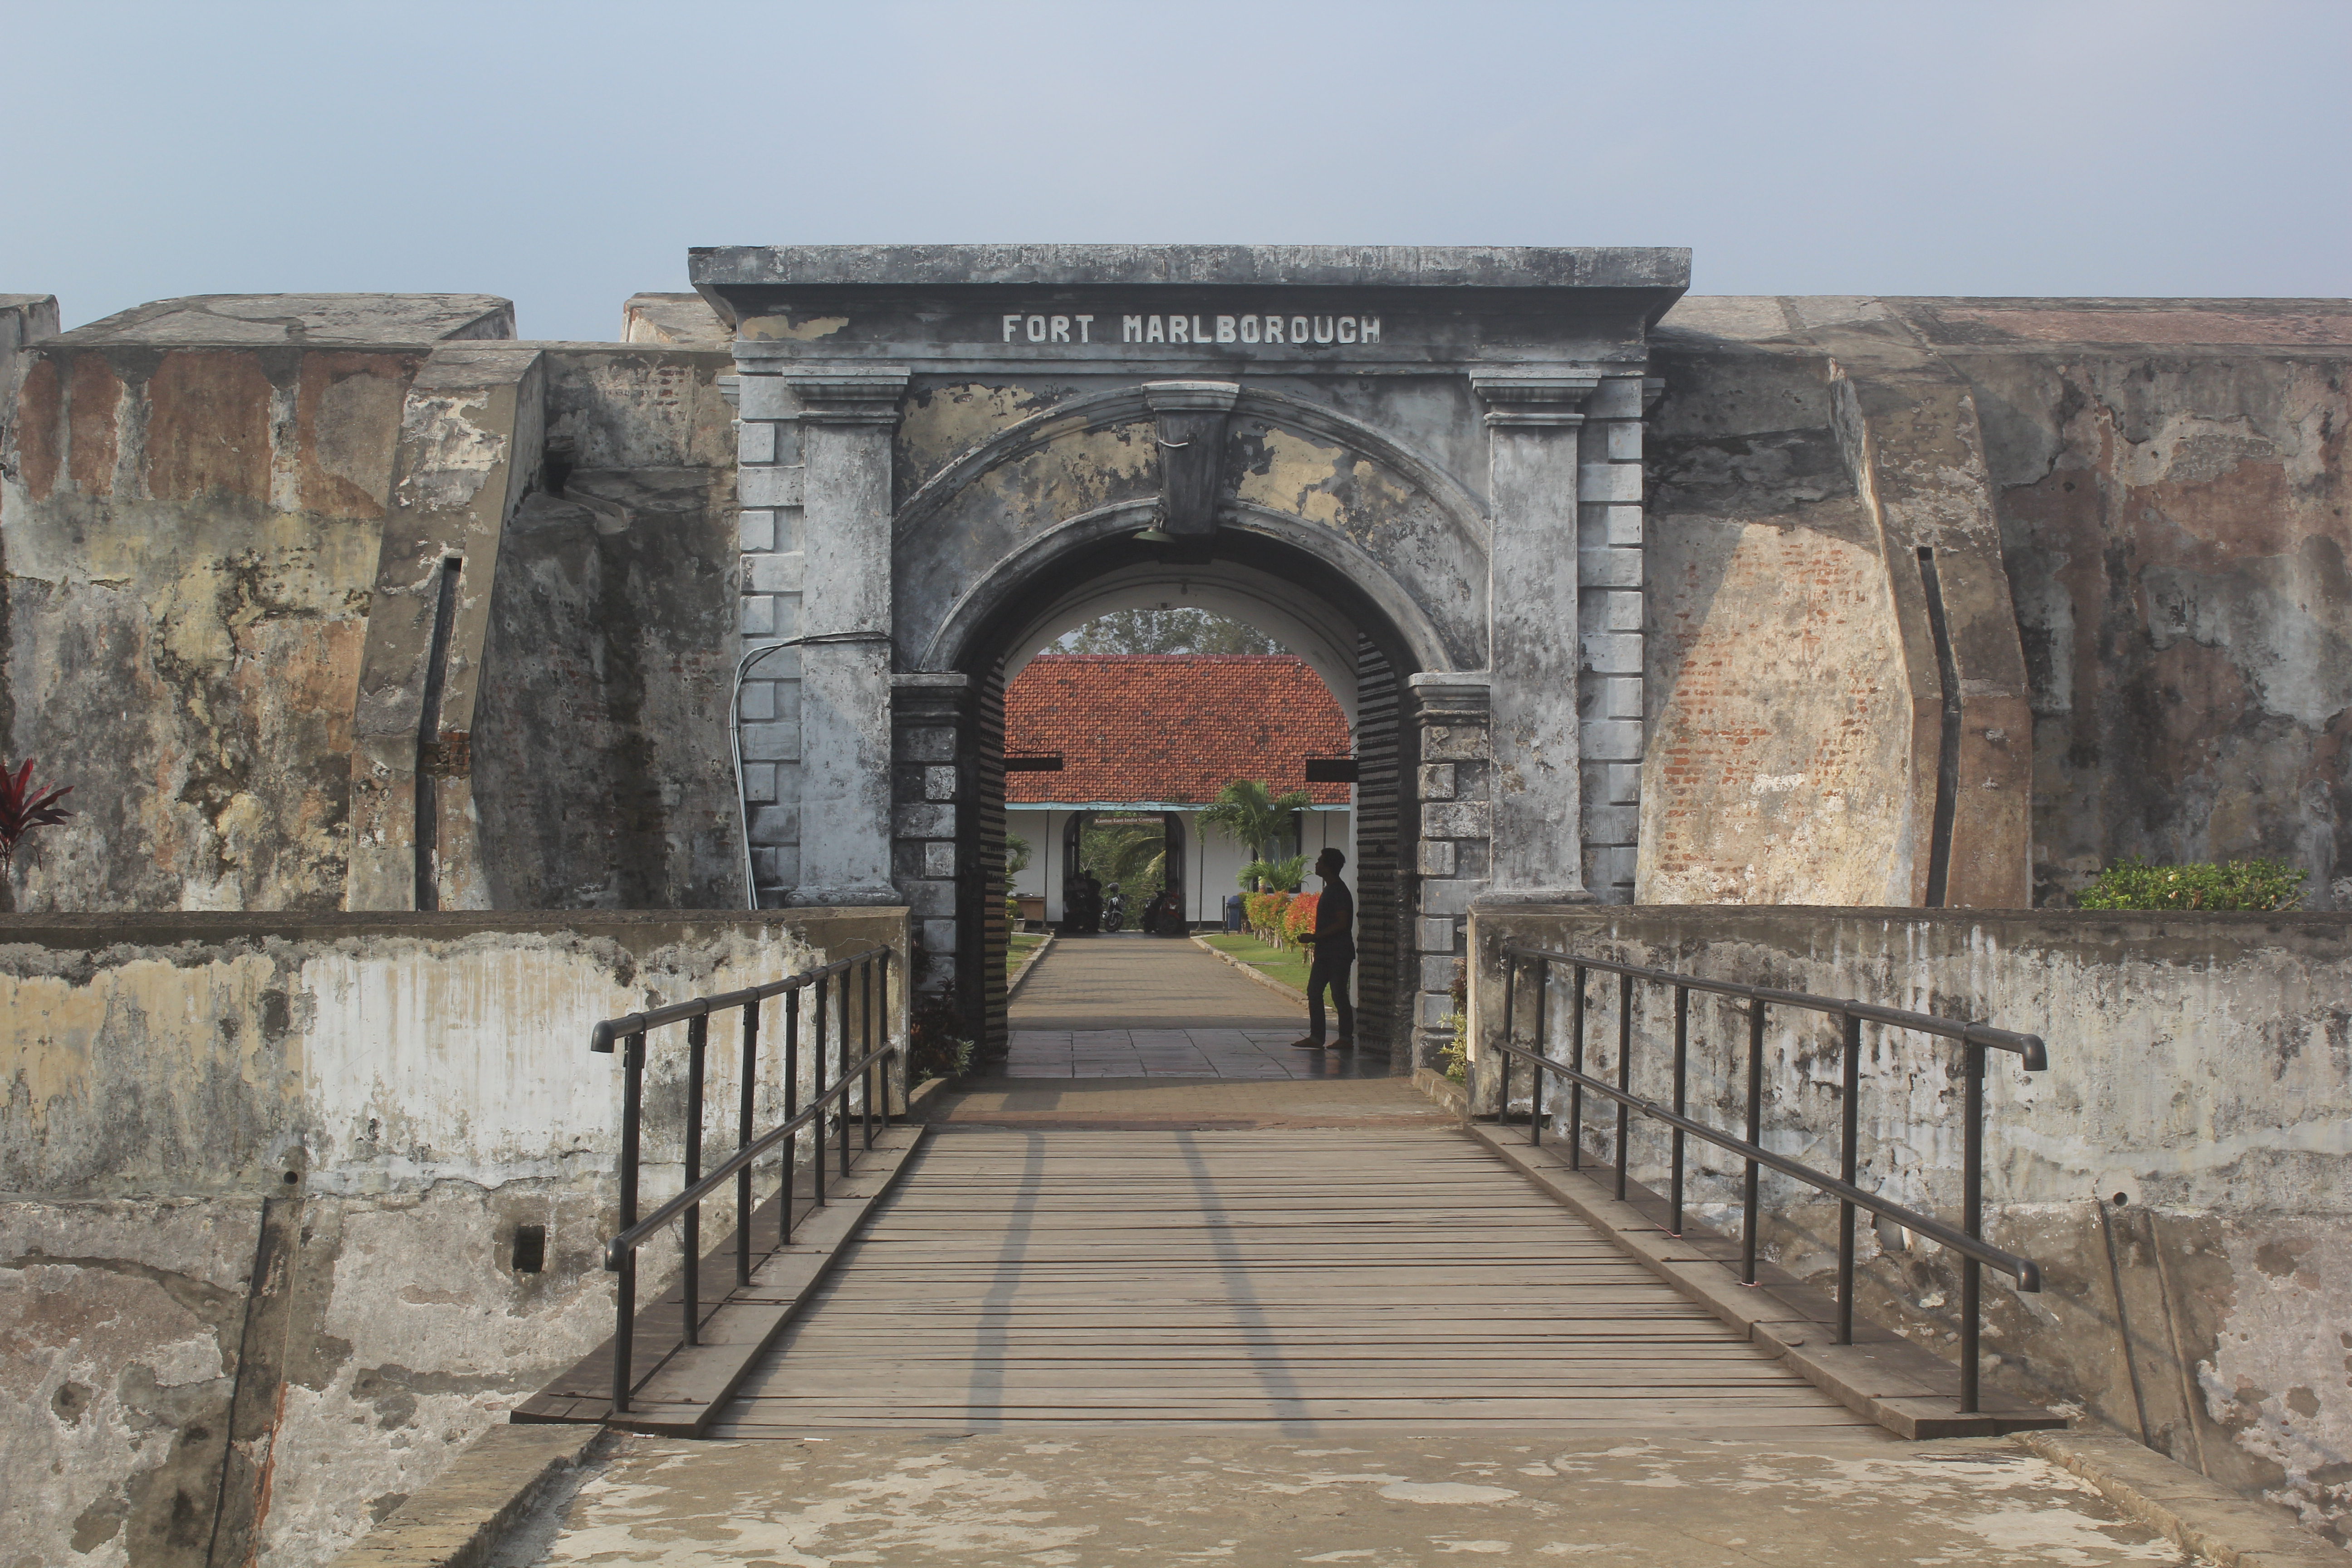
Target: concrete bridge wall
263, 1181
2200, 1071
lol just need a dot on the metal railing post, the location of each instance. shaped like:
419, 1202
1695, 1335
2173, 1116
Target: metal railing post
866, 1044
1972, 1222
1848, 1153
1576, 1085
816, 1098
750, 1056
1503, 1058
1535, 1079
1682, 1067
625, 1294
698, 1042
1624, 1072
791, 1111
1754, 1136
840, 1105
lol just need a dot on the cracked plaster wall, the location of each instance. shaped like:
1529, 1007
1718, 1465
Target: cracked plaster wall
425, 1080
2177, 526
2200, 1070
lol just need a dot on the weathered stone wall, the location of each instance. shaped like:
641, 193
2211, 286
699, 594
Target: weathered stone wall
2180, 1172
2174, 510
2136, 517
263, 1178
601, 771
249, 539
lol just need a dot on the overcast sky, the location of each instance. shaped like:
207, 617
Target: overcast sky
566, 156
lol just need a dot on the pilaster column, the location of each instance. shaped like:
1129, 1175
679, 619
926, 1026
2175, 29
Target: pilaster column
1611, 608
1534, 419
1454, 787
846, 415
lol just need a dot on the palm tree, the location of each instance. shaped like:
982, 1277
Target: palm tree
1258, 820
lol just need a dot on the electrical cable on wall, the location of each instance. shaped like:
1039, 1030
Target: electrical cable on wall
735, 733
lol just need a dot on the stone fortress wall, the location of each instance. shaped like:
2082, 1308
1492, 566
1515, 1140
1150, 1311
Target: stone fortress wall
226, 522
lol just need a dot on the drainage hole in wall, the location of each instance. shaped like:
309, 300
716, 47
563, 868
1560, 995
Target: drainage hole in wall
2122, 1198
529, 1249
292, 1177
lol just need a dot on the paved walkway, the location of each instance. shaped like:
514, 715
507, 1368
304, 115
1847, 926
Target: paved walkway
1631, 1500
1141, 1007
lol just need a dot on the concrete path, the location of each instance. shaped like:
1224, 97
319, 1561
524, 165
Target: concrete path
1139, 1006
1631, 1500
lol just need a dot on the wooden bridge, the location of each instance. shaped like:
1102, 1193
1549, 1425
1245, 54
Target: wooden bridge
1170, 1218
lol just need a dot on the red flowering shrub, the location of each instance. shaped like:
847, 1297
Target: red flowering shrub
1298, 920
1264, 912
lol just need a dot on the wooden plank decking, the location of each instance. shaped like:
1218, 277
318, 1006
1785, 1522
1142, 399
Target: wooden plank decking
1292, 1282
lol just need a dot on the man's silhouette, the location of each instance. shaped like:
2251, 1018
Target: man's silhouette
1335, 954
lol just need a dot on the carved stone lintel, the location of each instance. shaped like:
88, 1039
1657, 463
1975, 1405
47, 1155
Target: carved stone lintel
1551, 396
1190, 419
848, 394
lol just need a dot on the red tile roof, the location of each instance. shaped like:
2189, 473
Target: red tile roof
1132, 728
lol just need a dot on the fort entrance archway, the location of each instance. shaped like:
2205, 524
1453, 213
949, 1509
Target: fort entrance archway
1428, 462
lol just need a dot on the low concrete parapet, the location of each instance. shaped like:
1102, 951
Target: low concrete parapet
309, 1202
2179, 1172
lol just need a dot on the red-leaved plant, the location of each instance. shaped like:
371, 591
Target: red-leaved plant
25, 805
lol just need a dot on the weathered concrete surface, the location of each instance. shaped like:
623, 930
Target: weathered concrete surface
2200, 1073
195, 495
471, 435
2170, 479
266, 1180
685, 319
2137, 517
1098, 1498
1808, 452
599, 755
226, 553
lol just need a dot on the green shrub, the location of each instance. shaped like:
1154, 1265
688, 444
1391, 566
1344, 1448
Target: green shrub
2134, 884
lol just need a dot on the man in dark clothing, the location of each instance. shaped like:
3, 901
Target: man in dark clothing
1335, 954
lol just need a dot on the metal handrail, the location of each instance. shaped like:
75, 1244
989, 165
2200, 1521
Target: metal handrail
1966, 1238
629, 1032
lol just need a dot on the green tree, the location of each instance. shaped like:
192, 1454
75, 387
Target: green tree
1260, 821
1172, 631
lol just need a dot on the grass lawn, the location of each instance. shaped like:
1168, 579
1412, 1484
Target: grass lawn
1286, 965
1018, 946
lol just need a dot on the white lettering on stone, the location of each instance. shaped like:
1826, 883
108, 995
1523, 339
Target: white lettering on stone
1197, 331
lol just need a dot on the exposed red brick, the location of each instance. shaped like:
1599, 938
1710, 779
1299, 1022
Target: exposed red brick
1174, 728
93, 420
37, 429
208, 426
